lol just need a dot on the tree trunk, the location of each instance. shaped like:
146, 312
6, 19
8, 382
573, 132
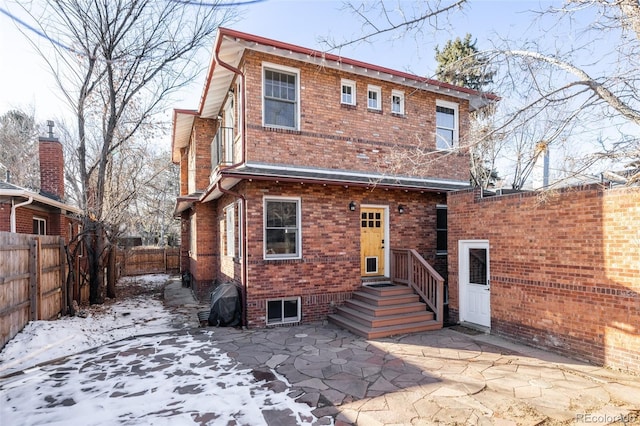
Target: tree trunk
111, 274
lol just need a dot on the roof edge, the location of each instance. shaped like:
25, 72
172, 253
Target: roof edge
344, 60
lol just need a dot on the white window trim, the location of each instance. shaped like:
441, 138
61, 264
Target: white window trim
352, 85
398, 94
230, 220
283, 321
456, 119
42, 221
284, 69
378, 91
298, 255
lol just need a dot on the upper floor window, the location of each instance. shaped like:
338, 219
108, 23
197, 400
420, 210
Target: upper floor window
348, 92
280, 107
446, 125
282, 228
373, 97
39, 226
397, 102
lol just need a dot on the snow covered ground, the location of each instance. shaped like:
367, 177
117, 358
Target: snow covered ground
42, 341
156, 380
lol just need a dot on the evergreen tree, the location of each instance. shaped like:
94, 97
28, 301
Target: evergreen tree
460, 63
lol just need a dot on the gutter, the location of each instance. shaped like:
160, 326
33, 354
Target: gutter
13, 212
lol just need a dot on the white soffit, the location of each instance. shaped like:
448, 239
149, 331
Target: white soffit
182, 126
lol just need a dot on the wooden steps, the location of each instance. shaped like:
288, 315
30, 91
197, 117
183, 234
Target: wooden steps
384, 310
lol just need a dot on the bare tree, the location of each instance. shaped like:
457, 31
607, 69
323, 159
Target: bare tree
117, 62
581, 92
19, 149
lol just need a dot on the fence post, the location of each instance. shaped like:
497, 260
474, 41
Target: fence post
63, 278
33, 279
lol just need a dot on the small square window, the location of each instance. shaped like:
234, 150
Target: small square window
373, 97
283, 311
397, 102
348, 92
39, 226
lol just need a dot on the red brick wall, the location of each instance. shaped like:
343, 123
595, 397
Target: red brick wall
565, 271
204, 263
351, 138
203, 132
184, 172
25, 216
51, 167
5, 217
330, 266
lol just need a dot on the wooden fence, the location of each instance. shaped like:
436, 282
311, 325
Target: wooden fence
149, 260
33, 277
32, 281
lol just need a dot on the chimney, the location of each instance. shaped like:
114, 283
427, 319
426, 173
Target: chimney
51, 165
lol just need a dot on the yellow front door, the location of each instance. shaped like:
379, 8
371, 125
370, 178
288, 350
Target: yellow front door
372, 241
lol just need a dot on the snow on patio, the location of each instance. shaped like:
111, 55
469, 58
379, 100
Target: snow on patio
154, 379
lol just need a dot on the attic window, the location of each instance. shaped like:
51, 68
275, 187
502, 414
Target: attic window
373, 97
397, 102
348, 92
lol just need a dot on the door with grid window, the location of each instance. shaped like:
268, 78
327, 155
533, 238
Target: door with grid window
372, 224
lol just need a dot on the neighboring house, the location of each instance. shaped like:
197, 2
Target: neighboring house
296, 182
44, 212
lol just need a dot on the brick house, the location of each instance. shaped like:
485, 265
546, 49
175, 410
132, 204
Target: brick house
295, 185
44, 212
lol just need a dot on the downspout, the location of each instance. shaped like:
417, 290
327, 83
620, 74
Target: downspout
244, 263
13, 212
243, 135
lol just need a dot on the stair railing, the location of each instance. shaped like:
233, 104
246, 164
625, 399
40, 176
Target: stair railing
409, 267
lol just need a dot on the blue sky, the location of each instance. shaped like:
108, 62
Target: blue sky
25, 81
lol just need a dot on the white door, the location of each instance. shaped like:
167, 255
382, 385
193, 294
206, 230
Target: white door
474, 288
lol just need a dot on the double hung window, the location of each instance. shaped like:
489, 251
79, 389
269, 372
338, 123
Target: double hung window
282, 228
281, 99
446, 125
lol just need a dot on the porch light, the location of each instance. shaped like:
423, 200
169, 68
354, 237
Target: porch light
400, 209
352, 206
